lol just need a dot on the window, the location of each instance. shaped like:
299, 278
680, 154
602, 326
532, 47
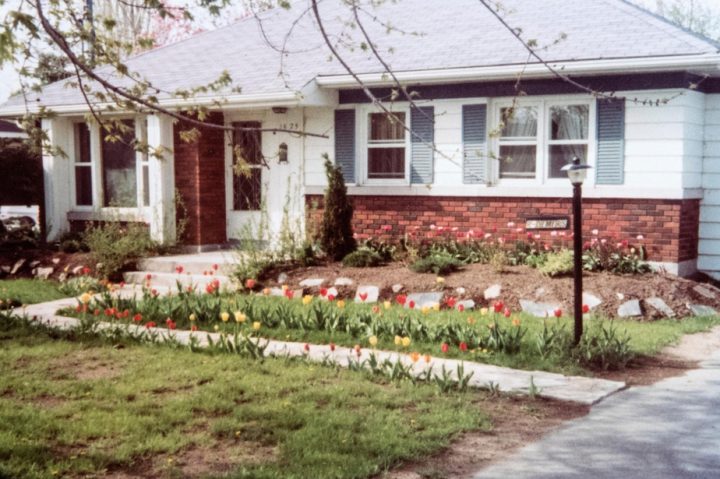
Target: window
247, 174
123, 179
83, 166
386, 158
537, 140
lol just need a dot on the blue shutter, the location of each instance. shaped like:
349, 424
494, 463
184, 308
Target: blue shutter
610, 142
474, 136
422, 123
345, 143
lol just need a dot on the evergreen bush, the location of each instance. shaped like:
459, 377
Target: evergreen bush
336, 234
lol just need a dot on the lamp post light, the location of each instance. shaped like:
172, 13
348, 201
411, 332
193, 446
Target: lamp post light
576, 173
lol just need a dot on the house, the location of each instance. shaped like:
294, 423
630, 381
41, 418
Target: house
654, 146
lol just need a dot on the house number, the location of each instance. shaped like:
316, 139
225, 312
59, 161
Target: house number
289, 126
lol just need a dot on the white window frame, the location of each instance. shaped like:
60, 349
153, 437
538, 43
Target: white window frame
543, 141
363, 132
142, 161
75, 163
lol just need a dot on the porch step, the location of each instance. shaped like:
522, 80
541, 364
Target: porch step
220, 262
170, 280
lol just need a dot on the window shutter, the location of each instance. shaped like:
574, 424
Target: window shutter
422, 122
345, 143
610, 142
474, 136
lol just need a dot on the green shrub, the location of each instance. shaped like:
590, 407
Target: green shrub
72, 243
438, 263
499, 261
116, 246
336, 234
557, 264
362, 258
603, 348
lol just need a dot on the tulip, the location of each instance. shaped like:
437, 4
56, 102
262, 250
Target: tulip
373, 340
444, 348
240, 317
256, 325
224, 316
463, 346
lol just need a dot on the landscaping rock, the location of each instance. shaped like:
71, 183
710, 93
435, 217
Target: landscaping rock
539, 293
701, 310
297, 293
661, 306
591, 300
460, 291
630, 309
703, 291
539, 310
282, 278
371, 294
344, 282
620, 296
5, 269
396, 288
34, 264
44, 273
56, 261
16, 267
312, 282
77, 270
493, 292
467, 304
424, 299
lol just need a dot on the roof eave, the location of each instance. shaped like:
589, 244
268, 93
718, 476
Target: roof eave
705, 62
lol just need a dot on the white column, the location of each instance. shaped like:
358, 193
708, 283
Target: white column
57, 171
162, 178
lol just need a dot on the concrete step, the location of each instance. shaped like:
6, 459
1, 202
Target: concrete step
170, 280
220, 262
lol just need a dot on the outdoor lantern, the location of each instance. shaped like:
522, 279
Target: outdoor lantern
576, 173
283, 153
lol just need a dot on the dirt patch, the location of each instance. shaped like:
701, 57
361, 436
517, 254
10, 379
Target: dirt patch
41, 258
647, 370
85, 366
46, 401
518, 282
516, 422
696, 347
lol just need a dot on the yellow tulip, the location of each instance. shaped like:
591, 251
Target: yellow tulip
307, 299
341, 304
483, 311
439, 280
85, 298
425, 310
398, 340
386, 304
406, 341
240, 317
436, 306
256, 325
266, 291
216, 328
192, 317
224, 316
373, 340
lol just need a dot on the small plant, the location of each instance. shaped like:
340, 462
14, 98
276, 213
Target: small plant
80, 284
437, 263
557, 264
499, 261
603, 348
362, 258
336, 235
533, 390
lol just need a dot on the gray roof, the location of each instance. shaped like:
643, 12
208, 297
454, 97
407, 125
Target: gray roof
427, 34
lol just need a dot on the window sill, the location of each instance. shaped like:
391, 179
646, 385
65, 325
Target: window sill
108, 214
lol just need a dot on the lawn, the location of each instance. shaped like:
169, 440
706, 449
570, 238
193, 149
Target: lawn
29, 291
74, 406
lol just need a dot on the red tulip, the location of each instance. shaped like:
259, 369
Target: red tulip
249, 283
451, 302
323, 292
179, 269
506, 312
363, 296
461, 308
411, 304
331, 297
463, 346
148, 276
137, 318
444, 348
306, 348
193, 328
332, 346
215, 267
585, 308
498, 306
558, 313
401, 298
289, 293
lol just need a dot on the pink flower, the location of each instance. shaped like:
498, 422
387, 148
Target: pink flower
179, 269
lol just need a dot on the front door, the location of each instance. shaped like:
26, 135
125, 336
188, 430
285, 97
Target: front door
244, 181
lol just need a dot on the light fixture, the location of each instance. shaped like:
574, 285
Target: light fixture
283, 153
577, 173
279, 109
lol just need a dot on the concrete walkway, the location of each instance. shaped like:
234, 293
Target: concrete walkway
668, 430
551, 385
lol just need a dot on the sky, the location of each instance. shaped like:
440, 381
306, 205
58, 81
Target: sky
9, 80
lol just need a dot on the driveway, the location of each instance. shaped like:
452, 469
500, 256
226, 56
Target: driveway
668, 430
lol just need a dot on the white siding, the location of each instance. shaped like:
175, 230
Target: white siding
709, 247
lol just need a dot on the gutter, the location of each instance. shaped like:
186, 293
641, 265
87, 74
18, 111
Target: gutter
258, 101
707, 63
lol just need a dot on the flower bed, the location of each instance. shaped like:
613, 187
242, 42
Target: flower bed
498, 335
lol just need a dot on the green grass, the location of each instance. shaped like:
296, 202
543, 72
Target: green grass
29, 291
71, 407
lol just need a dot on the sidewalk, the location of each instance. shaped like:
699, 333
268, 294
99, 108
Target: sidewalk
551, 385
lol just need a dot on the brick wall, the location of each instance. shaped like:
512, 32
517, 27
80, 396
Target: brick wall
200, 180
669, 227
